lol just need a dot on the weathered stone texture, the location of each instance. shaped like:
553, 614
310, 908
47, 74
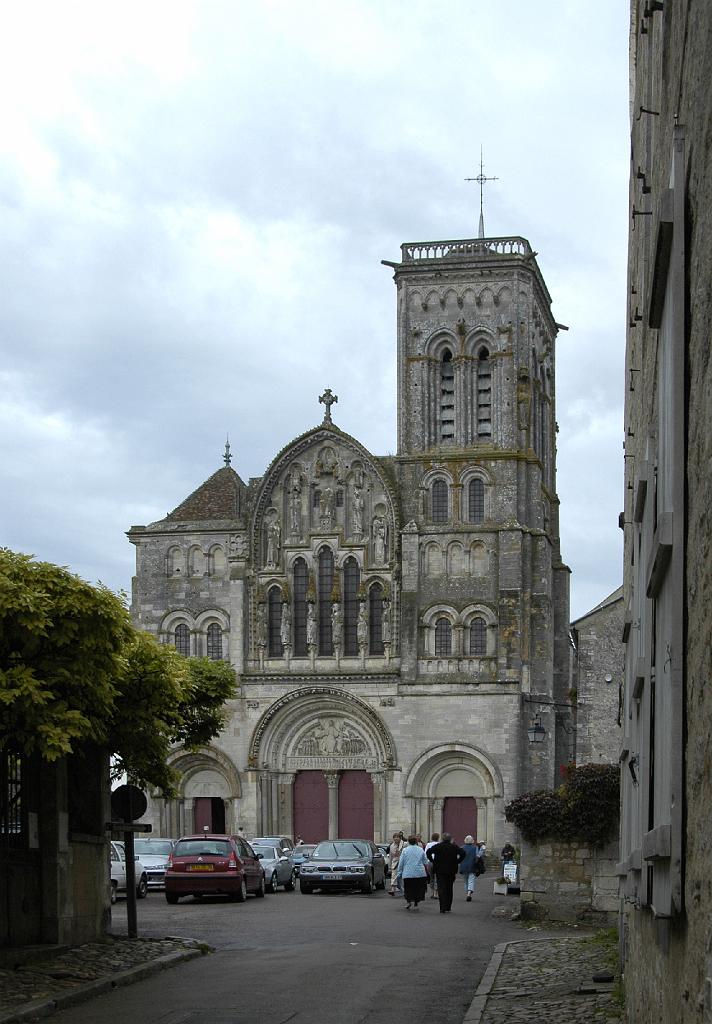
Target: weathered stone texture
567, 881
597, 679
668, 960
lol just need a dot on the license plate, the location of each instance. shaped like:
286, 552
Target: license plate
335, 874
200, 867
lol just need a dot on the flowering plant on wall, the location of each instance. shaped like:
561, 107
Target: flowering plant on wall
586, 807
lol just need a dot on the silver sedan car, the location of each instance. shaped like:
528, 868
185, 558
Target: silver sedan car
278, 867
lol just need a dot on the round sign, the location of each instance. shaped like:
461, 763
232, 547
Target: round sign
128, 802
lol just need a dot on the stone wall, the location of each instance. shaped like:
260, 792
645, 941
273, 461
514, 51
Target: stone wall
568, 881
597, 677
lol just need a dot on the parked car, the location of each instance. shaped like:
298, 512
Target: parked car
301, 854
154, 853
344, 864
283, 842
277, 865
118, 872
384, 848
213, 864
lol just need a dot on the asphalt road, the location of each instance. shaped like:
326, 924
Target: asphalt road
326, 959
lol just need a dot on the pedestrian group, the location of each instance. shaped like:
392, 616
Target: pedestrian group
415, 865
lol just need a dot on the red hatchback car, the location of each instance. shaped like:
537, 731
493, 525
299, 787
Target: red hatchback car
209, 864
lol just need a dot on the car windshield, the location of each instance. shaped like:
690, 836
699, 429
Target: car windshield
202, 848
340, 851
268, 852
304, 851
157, 847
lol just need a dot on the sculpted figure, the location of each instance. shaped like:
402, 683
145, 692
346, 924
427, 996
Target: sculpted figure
386, 621
357, 511
294, 489
311, 625
331, 738
285, 629
261, 626
379, 540
274, 536
326, 506
237, 546
336, 623
362, 625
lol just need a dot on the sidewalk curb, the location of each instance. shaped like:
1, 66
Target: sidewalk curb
62, 1000
478, 1004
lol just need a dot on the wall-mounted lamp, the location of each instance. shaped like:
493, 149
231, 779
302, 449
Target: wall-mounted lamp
536, 731
632, 765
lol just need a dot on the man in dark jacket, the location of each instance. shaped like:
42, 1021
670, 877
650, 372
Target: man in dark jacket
445, 857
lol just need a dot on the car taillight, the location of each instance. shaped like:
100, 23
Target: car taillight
232, 864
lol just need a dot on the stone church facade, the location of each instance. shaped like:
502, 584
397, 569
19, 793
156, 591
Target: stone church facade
397, 622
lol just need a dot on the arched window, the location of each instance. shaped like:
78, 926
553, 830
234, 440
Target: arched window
326, 583
484, 395
214, 642
475, 501
443, 637
299, 619
478, 636
352, 579
447, 397
439, 502
274, 622
375, 619
182, 639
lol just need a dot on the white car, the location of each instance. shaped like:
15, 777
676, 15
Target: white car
118, 873
153, 852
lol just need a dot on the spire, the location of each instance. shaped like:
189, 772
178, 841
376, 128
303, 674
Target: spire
481, 179
227, 457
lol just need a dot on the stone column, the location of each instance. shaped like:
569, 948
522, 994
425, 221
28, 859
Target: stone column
332, 781
263, 807
275, 826
286, 792
237, 624
437, 812
379, 785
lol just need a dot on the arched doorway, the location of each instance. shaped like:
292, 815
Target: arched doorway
456, 788
209, 794
327, 732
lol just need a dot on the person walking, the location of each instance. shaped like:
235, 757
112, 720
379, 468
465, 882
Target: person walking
468, 866
434, 840
394, 851
445, 857
412, 869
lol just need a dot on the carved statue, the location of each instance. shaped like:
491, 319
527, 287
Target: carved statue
357, 512
294, 488
336, 623
237, 546
362, 625
386, 621
330, 738
274, 536
285, 629
261, 625
311, 625
326, 507
379, 540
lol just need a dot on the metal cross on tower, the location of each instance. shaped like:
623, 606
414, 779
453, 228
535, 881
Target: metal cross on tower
227, 457
327, 399
481, 179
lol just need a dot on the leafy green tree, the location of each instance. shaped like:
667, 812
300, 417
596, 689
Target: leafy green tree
73, 669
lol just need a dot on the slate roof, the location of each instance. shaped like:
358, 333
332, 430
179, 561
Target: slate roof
217, 498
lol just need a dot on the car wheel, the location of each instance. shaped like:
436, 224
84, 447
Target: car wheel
273, 882
241, 894
172, 898
304, 887
289, 886
261, 887
142, 888
114, 897
368, 886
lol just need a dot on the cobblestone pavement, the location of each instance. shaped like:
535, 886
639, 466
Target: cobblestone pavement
549, 981
39, 985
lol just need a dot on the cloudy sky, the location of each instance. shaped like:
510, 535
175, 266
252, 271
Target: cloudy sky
195, 198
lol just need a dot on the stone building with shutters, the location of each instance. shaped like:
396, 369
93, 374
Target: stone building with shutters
395, 622
666, 829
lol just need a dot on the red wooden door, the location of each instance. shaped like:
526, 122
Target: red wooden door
460, 817
209, 811
355, 805
310, 805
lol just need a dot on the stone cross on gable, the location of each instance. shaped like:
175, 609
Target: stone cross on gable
327, 400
